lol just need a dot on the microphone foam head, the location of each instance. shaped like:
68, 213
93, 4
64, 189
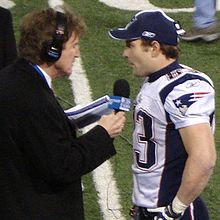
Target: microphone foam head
121, 88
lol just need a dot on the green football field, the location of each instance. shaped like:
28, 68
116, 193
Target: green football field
102, 61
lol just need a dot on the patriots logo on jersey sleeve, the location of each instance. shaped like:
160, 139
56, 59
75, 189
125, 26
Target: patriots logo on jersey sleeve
185, 101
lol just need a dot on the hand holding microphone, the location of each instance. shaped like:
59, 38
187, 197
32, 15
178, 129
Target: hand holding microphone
121, 92
82, 116
114, 123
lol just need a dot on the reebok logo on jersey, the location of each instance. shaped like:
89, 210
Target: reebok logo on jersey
185, 101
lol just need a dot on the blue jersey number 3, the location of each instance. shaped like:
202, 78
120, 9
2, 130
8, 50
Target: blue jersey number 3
145, 151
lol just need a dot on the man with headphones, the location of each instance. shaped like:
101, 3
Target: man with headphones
42, 161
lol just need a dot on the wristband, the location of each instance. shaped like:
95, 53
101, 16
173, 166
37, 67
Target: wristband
178, 206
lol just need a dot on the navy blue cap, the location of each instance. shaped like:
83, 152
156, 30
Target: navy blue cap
150, 25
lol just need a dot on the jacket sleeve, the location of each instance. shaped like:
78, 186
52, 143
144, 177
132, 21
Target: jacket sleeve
52, 150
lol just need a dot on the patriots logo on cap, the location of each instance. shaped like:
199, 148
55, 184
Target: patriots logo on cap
185, 101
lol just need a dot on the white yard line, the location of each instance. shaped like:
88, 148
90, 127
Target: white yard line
138, 5
105, 183
218, 5
6, 4
121, 4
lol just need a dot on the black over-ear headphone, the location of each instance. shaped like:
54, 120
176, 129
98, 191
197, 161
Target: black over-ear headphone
53, 48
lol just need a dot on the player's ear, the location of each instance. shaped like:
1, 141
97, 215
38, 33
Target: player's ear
155, 48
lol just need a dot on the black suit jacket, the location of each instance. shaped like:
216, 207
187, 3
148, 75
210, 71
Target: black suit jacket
8, 51
41, 160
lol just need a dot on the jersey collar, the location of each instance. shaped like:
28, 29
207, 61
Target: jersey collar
156, 75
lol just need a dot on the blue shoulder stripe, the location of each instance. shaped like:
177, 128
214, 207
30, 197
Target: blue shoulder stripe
167, 89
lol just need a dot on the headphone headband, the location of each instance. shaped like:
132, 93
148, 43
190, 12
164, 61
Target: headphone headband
60, 26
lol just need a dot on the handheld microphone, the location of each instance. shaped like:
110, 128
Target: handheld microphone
121, 88
121, 92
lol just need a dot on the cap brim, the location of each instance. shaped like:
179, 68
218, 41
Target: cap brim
121, 34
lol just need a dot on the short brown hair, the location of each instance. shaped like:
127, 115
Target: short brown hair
38, 27
169, 51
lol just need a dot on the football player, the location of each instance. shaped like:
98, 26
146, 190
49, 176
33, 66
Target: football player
173, 145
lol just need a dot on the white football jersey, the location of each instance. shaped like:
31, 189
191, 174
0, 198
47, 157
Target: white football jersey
172, 98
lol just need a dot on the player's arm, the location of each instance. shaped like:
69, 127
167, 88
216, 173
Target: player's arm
196, 133
191, 116
199, 144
